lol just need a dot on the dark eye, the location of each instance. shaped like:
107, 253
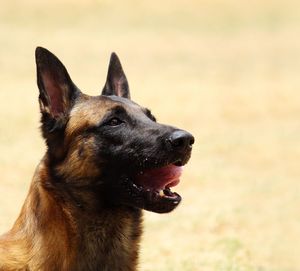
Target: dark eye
114, 122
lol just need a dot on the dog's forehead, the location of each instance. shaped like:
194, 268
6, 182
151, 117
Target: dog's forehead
115, 98
129, 104
109, 102
89, 110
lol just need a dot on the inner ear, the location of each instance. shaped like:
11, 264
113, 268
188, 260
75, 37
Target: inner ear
57, 91
116, 81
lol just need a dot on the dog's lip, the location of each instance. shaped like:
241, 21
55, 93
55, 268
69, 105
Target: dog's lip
155, 184
159, 201
165, 200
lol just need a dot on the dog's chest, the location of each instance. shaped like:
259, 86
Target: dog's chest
110, 246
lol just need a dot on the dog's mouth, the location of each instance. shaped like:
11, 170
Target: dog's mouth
158, 182
152, 187
149, 183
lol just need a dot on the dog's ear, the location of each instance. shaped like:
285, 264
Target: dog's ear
116, 81
57, 91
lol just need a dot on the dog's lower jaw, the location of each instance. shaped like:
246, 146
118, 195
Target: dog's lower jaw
68, 237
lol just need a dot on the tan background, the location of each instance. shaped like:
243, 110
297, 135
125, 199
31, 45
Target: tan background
228, 71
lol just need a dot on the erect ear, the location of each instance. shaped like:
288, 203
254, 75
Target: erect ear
116, 81
57, 91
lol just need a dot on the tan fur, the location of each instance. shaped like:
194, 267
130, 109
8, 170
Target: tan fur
52, 233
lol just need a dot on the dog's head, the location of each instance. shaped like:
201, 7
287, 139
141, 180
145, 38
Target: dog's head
108, 143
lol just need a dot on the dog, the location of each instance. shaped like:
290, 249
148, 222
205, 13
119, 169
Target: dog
107, 159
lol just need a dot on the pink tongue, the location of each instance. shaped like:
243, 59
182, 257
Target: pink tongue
159, 178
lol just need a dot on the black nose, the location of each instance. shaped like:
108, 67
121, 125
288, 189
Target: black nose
181, 140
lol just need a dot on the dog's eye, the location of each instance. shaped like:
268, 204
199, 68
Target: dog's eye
114, 122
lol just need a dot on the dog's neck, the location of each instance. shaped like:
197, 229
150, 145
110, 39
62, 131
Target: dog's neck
101, 239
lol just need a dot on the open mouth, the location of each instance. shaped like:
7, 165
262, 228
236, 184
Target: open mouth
149, 185
160, 180
155, 187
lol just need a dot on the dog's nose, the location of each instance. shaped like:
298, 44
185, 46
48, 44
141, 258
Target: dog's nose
181, 140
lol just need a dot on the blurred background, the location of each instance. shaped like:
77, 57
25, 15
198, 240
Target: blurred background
227, 71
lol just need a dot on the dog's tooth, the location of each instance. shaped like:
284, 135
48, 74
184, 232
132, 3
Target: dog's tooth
161, 193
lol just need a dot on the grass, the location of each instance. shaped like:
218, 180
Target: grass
228, 71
